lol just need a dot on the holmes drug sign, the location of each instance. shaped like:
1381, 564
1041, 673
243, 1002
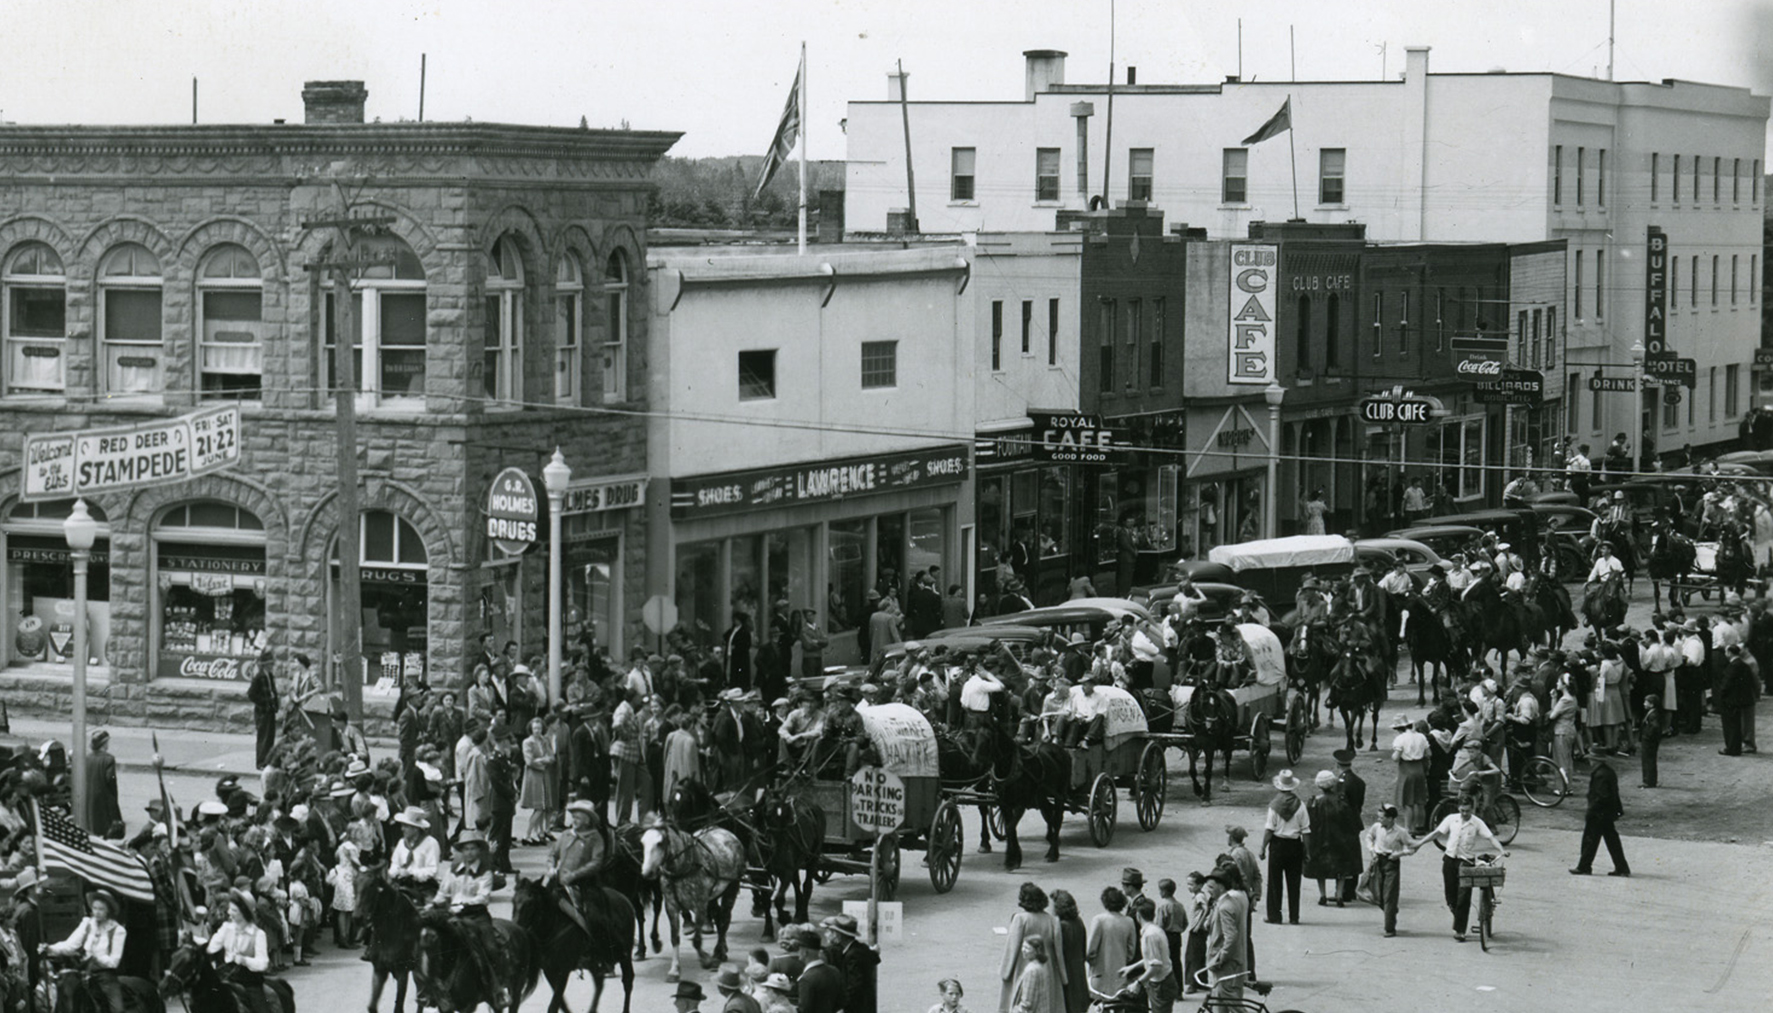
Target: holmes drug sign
512, 512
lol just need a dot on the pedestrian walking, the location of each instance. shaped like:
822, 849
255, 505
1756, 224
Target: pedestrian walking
1033, 920
1194, 946
1335, 854
1410, 749
1154, 968
1461, 833
101, 815
1388, 843
1604, 809
1112, 940
1286, 834
1173, 917
1227, 947
1251, 874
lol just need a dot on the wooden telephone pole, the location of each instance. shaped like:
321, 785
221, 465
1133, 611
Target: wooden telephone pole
343, 262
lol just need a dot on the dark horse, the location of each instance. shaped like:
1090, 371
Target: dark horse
192, 971
1357, 687
1603, 604
1025, 777
1208, 715
1672, 556
562, 947
790, 841
393, 937
448, 977
1431, 649
139, 995
1496, 622
1552, 602
963, 759
622, 874
1311, 654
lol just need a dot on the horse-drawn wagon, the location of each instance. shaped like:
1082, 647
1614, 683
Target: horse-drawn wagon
1254, 707
906, 748
1126, 757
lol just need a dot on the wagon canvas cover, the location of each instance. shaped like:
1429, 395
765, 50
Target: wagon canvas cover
904, 737
1274, 553
1121, 719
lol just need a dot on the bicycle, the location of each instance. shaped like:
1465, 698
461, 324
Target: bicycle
1484, 877
1502, 815
1544, 783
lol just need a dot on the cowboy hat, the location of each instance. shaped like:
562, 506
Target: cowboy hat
579, 805
842, 924
25, 880
471, 837
246, 902
339, 789
413, 816
732, 695
1402, 721
356, 770
729, 978
211, 808
110, 899
1285, 781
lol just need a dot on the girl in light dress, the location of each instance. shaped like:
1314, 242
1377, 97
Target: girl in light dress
951, 992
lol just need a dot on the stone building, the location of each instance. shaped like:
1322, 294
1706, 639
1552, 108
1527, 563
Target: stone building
149, 271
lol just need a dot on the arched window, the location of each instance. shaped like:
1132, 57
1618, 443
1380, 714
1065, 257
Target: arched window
36, 321
389, 315
38, 585
230, 299
1333, 333
133, 354
569, 302
1302, 335
503, 375
615, 335
208, 612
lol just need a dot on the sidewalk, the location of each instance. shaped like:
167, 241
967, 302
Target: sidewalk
184, 751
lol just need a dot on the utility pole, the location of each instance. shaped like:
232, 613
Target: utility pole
348, 631
910, 178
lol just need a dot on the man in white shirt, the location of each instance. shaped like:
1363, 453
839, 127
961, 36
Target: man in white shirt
1459, 576
1606, 566
1086, 716
1387, 843
1462, 834
1398, 583
1577, 469
975, 696
1523, 727
1690, 678
415, 859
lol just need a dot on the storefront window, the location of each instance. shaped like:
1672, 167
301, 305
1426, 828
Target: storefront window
395, 597
39, 588
889, 555
592, 564
923, 547
1055, 512
209, 561
849, 567
1148, 496
698, 589
993, 529
790, 557
745, 581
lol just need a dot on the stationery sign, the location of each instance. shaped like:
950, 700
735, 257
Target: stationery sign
1656, 294
1251, 332
88, 461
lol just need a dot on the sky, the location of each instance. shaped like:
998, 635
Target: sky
720, 71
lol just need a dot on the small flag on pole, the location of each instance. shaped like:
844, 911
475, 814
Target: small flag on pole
1280, 121
66, 846
787, 132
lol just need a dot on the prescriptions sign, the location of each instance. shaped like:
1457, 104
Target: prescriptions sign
1251, 333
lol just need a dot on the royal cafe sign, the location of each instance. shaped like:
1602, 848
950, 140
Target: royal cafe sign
1250, 355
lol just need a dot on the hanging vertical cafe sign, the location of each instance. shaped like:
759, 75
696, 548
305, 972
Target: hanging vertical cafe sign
1656, 295
1251, 352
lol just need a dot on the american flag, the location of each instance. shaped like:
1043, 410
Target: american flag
66, 846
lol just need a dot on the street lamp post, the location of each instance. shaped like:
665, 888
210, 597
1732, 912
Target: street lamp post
555, 478
1636, 418
81, 531
1274, 393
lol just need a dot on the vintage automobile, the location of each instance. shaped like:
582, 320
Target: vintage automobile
1444, 539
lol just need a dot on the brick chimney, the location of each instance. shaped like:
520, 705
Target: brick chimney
333, 101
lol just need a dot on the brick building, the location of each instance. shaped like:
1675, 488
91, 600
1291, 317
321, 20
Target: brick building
149, 270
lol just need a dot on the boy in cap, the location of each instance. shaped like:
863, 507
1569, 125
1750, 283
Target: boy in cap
1389, 843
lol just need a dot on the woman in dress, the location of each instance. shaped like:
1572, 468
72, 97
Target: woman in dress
1072, 935
1335, 837
1315, 509
1563, 726
1032, 922
483, 699
1609, 698
1410, 750
1035, 984
538, 772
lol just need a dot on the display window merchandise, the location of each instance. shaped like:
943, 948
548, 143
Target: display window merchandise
393, 574
39, 588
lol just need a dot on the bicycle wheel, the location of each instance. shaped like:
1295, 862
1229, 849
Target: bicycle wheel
1446, 807
1485, 909
1505, 819
1544, 783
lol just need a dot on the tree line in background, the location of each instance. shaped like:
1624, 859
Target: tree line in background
718, 193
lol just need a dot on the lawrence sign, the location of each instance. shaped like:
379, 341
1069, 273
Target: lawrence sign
512, 512
1251, 353
819, 482
64, 465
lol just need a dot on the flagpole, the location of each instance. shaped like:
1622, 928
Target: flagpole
803, 125
1294, 153
42, 870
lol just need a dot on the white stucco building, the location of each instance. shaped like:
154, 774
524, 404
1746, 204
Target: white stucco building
1489, 157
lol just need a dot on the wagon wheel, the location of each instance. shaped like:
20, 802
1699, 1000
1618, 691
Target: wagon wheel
822, 874
1261, 741
1104, 807
1149, 785
888, 864
947, 841
994, 820
1298, 727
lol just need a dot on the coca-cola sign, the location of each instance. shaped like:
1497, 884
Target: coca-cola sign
1479, 365
220, 668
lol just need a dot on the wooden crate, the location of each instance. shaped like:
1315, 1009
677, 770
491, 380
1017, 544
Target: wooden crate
1479, 876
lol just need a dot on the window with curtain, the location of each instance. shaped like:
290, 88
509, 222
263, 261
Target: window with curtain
231, 342
389, 327
615, 334
133, 351
569, 304
36, 320
502, 375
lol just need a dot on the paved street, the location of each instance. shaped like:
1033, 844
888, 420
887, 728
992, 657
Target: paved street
1687, 931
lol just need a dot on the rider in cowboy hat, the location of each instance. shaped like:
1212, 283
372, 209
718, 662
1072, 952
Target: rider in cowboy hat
576, 861
98, 942
466, 889
416, 858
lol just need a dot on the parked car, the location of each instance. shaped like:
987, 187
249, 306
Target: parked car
1761, 461
1085, 617
1417, 556
1444, 539
1221, 598
1520, 529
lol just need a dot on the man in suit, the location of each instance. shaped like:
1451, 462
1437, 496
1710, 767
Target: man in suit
821, 986
738, 651
923, 606
262, 691
1736, 694
1604, 808
954, 608
1227, 946
857, 960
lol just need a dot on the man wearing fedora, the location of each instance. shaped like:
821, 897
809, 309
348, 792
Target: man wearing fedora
688, 997
23, 916
856, 960
731, 986
821, 985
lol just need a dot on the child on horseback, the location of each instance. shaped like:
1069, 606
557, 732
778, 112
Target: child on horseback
465, 888
575, 861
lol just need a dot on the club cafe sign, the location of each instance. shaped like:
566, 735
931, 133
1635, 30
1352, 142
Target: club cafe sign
1250, 355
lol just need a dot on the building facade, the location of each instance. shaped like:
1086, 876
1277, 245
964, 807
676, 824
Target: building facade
148, 271
1427, 158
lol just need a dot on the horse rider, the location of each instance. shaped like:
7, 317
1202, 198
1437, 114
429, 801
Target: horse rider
1606, 566
413, 865
244, 951
1364, 597
1480, 576
1250, 610
1614, 520
1459, 576
465, 889
98, 943
576, 862
976, 694
1510, 567
1397, 584
1310, 603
